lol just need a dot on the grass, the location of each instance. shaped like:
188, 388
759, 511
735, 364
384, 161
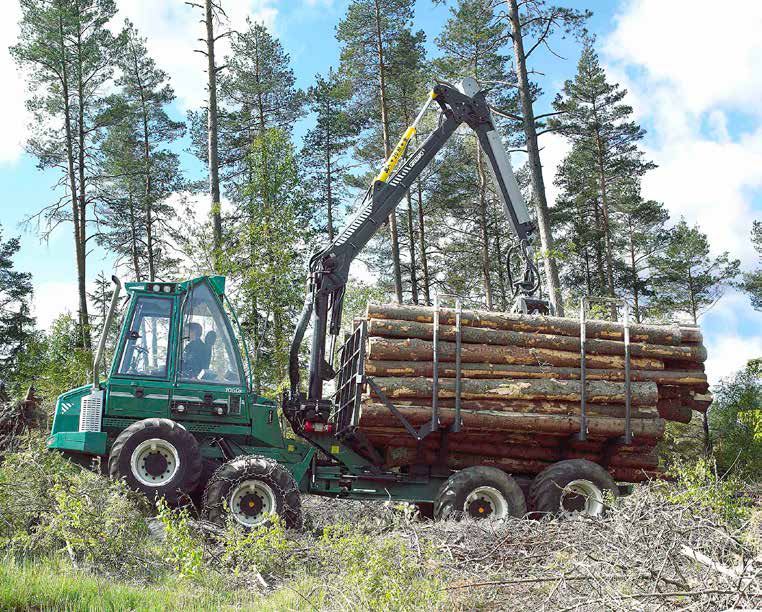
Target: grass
51, 584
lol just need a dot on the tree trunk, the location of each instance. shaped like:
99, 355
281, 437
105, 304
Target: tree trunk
328, 174
690, 378
393, 349
214, 172
411, 235
387, 151
78, 250
504, 389
634, 271
422, 241
84, 319
483, 229
375, 415
147, 196
604, 330
477, 335
606, 224
535, 165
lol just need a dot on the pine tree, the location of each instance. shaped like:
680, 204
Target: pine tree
532, 24
267, 257
206, 124
409, 86
645, 236
605, 139
325, 146
256, 91
143, 171
16, 324
752, 281
68, 54
367, 32
471, 42
687, 279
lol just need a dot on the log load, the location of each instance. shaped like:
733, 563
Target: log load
520, 389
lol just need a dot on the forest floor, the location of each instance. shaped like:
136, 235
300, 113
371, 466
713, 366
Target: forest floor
664, 547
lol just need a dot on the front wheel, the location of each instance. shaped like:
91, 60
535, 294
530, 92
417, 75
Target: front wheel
251, 490
157, 457
480, 492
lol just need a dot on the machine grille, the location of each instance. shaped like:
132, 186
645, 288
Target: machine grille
91, 412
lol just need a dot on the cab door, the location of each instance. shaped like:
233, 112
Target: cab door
140, 384
210, 385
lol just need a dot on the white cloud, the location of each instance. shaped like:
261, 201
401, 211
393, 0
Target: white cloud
684, 89
687, 47
696, 86
12, 110
53, 298
173, 29
553, 149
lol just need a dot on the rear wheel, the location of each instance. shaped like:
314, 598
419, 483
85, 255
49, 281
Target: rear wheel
573, 486
480, 492
157, 457
250, 490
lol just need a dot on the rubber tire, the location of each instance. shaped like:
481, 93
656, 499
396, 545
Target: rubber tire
288, 501
546, 489
187, 476
453, 494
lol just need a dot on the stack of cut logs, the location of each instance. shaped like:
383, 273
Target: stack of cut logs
521, 389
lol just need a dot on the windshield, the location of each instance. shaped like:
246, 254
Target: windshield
207, 349
147, 345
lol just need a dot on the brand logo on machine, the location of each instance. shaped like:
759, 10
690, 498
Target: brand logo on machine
65, 407
403, 172
232, 390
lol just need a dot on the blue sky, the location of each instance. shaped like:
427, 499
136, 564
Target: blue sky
700, 107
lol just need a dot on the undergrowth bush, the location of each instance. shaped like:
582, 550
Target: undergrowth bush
379, 572
183, 546
268, 549
702, 488
50, 505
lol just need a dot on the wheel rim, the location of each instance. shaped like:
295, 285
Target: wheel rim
582, 497
155, 462
486, 502
252, 502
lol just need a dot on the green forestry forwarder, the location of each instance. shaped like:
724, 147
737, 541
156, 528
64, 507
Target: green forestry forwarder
177, 417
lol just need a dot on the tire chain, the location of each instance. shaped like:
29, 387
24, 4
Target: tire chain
259, 467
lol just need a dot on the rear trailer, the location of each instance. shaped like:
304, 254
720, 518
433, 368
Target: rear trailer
567, 408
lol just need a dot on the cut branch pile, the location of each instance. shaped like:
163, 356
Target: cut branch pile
520, 386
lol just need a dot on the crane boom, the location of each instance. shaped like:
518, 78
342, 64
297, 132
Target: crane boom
329, 267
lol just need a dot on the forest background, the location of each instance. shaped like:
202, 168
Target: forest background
687, 131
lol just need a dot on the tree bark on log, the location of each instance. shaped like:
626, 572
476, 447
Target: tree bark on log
422, 350
534, 406
605, 330
690, 378
375, 415
477, 335
400, 456
394, 431
644, 458
600, 391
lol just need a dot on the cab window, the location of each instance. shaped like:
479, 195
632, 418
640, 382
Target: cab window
207, 350
146, 346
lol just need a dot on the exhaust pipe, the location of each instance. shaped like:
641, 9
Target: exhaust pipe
104, 332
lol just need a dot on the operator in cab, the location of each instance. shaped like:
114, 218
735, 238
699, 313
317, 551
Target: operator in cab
194, 353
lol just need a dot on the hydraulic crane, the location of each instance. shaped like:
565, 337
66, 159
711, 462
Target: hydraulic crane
329, 267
